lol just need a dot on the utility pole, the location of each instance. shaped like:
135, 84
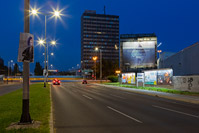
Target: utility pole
25, 117
100, 65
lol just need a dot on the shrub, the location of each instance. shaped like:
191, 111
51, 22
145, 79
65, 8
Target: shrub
113, 78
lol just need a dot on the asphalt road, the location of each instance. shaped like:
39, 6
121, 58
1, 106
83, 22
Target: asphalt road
88, 108
7, 88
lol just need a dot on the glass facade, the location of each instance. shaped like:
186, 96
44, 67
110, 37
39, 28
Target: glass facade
102, 31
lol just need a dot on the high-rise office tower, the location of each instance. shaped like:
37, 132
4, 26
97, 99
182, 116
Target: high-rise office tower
101, 31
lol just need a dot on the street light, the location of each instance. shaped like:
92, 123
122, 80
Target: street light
56, 14
97, 49
42, 42
10, 67
159, 51
95, 58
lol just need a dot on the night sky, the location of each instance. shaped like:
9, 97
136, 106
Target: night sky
175, 22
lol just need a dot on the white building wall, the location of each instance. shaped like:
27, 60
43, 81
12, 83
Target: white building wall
185, 62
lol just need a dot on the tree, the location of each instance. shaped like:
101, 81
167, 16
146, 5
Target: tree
16, 69
108, 68
38, 69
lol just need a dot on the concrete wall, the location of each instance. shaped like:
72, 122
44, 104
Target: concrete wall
186, 83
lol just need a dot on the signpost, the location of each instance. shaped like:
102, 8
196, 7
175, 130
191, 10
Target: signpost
140, 78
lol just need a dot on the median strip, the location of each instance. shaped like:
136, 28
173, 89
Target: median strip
175, 111
124, 114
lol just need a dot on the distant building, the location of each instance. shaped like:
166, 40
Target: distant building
1, 62
138, 52
2, 67
184, 62
102, 31
164, 56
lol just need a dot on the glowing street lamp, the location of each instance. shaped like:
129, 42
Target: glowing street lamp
53, 42
95, 58
34, 12
56, 14
97, 49
159, 51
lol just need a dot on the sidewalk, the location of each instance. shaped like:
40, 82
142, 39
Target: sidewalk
178, 97
10, 83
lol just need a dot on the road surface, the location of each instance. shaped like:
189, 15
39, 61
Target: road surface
88, 108
7, 88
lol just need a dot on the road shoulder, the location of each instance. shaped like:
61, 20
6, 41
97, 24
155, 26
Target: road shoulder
178, 97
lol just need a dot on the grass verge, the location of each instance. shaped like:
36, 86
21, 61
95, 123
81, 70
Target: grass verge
11, 109
154, 89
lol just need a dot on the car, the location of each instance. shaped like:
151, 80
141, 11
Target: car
84, 82
56, 82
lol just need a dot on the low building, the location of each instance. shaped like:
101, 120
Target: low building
184, 62
163, 57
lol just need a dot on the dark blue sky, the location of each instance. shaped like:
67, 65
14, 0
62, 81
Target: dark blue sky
175, 22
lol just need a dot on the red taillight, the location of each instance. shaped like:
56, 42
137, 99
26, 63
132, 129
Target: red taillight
59, 81
53, 81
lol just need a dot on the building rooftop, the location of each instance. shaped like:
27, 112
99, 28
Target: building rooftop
137, 35
93, 13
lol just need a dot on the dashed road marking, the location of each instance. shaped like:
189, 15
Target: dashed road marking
124, 114
175, 111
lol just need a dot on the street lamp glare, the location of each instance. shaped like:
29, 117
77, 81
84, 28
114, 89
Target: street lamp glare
41, 42
57, 13
95, 58
34, 12
96, 48
53, 42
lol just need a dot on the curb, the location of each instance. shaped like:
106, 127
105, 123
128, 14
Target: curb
157, 94
51, 114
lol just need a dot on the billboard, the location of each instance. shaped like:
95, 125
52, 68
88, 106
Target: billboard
128, 78
165, 77
139, 54
150, 77
160, 77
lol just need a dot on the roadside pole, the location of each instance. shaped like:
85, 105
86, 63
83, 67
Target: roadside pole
25, 117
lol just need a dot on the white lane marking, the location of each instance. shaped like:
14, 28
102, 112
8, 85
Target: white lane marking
117, 96
175, 111
87, 97
124, 114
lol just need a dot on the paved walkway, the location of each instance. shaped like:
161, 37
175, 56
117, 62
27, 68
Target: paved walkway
179, 97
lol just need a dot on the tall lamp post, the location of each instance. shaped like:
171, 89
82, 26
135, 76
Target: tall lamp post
97, 49
25, 116
56, 14
159, 51
95, 58
10, 67
46, 62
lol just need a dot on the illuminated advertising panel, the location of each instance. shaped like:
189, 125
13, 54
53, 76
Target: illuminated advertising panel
159, 77
150, 77
139, 54
165, 76
128, 78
